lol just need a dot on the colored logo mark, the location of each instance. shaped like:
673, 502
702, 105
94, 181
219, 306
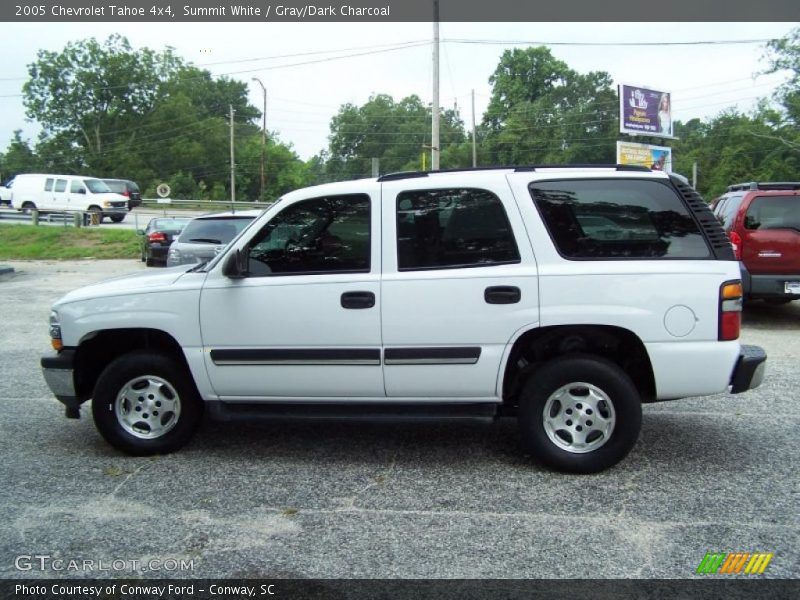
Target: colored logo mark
748, 563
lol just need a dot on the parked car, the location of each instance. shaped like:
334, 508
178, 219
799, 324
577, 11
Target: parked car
127, 188
5, 193
204, 237
762, 220
158, 236
68, 193
464, 294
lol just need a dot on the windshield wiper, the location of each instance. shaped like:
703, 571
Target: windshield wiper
206, 240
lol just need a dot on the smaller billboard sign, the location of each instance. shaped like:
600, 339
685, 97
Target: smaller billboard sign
645, 112
658, 158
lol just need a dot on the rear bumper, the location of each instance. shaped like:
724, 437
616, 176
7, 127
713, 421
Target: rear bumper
59, 374
749, 371
771, 286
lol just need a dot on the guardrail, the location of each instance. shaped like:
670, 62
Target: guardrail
76, 218
203, 204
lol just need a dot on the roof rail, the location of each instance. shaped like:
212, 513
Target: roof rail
517, 169
764, 185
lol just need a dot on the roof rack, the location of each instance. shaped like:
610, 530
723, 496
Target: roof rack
516, 169
765, 185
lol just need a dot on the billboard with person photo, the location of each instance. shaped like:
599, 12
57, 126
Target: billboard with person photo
645, 112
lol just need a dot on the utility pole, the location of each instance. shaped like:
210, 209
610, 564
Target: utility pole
694, 174
474, 147
233, 166
435, 115
263, 135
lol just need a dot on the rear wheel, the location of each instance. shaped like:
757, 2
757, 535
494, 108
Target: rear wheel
145, 403
580, 414
28, 207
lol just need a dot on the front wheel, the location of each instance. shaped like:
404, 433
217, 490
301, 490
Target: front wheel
96, 215
117, 218
145, 403
580, 414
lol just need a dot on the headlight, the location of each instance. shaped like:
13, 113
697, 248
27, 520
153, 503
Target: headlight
106, 203
55, 331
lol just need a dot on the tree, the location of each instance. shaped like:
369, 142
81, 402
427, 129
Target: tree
18, 158
396, 133
541, 111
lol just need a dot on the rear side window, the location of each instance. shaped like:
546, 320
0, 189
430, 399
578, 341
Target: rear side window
61, 185
727, 209
617, 219
452, 228
214, 231
48, 184
773, 212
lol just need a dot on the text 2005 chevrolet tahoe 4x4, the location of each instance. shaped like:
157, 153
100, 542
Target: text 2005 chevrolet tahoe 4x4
564, 296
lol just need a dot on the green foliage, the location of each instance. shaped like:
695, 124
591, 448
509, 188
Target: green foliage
29, 242
110, 110
393, 132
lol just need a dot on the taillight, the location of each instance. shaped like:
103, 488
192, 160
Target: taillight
157, 236
736, 242
730, 310
126, 193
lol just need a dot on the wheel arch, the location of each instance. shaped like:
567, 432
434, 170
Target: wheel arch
538, 345
98, 349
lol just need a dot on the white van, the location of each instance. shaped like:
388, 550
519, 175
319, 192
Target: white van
63, 193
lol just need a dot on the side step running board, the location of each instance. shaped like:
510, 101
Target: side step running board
229, 411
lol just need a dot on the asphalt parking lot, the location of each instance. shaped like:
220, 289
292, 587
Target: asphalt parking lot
717, 474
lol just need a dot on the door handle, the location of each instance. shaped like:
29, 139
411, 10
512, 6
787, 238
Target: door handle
502, 294
358, 300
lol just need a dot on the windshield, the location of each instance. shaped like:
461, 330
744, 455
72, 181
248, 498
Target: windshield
214, 231
116, 186
773, 212
96, 186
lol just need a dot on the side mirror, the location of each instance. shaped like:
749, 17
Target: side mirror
82, 191
236, 264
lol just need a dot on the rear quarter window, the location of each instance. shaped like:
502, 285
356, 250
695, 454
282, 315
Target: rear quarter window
618, 219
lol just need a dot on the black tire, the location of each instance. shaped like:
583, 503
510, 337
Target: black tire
149, 262
150, 368
27, 208
96, 210
611, 383
117, 218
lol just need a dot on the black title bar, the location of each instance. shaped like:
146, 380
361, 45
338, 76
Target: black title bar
264, 11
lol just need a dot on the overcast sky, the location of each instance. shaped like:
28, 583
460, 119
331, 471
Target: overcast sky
704, 80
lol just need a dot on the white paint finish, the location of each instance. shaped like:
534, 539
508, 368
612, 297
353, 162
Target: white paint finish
31, 188
287, 311
446, 307
680, 321
692, 368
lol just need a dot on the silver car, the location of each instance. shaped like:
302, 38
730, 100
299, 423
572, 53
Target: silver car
204, 237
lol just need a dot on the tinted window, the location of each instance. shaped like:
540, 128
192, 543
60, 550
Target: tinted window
452, 228
96, 186
115, 186
323, 235
48, 184
75, 187
617, 219
167, 224
727, 210
61, 185
773, 212
214, 231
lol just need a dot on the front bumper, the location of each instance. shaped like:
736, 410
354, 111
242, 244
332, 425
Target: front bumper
749, 371
58, 370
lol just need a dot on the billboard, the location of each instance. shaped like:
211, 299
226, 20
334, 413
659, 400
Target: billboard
645, 155
645, 112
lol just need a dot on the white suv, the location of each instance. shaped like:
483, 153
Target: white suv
563, 296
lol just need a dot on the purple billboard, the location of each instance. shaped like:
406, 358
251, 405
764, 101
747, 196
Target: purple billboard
645, 112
